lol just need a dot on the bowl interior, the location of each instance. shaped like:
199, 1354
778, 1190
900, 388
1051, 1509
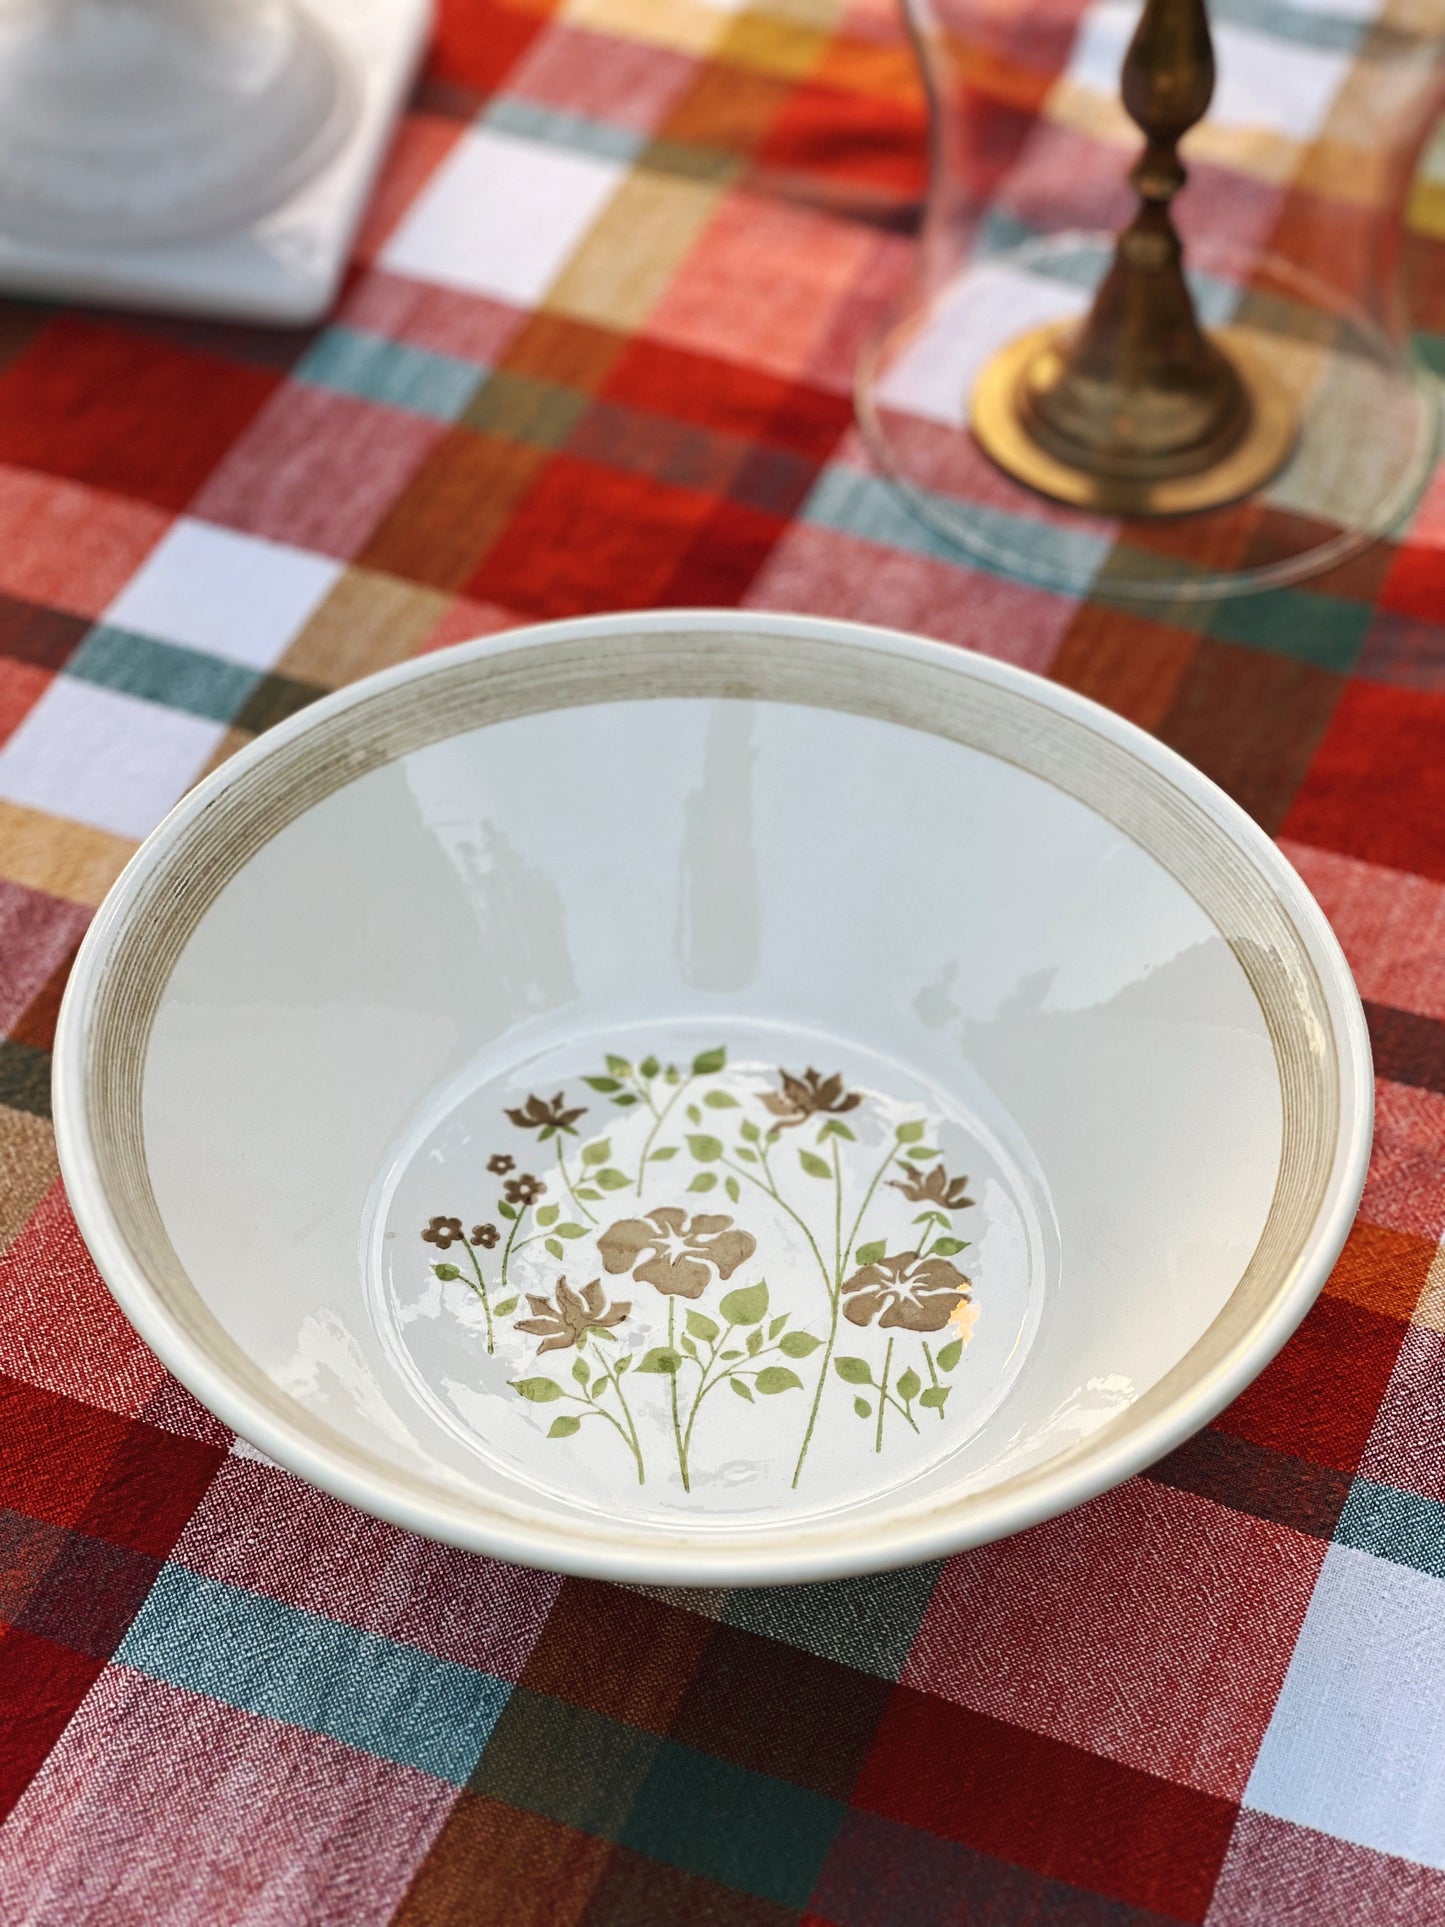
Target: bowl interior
552, 1082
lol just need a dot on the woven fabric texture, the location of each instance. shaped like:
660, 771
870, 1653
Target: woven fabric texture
595, 352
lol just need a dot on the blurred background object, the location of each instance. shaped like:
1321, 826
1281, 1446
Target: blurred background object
1292, 222
207, 155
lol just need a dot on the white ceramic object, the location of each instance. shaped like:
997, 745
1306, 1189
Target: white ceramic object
712, 1098
208, 156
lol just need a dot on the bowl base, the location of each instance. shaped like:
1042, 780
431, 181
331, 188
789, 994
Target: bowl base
709, 1271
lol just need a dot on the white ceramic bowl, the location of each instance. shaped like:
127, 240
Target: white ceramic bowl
712, 1098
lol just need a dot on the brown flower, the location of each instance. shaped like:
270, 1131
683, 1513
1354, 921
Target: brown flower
710, 1243
934, 1186
443, 1232
485, 1235
500, 1163
912, 1293
807, 1096
574, 1314
523, 1190
544, 1118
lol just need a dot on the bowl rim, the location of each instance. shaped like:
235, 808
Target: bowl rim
529, 1536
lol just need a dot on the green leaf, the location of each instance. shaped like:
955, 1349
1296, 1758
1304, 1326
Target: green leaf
751, 1131
704, 1181
777, 1324
689, 1347
732, 1187
747, 1156
923, 1152
537, 1391
701, 1326
606, 1084
505, 1309
835, 1127
619, 1066
672, 1074
708, 1061
564, 1427
662, 1154
910, 1133
694, 1114
870, 1254
580, 1372
746, 1306
662, 1361
853, 1371
704, 1149
610, 1179
554, 1245
548, 1213
734, 1353
946, 1247
649, 1067
862, 1408
586, 1192
446, 1272
506, 1210
720, 1101
909, 1385
798, 1344
950, 1355
570, 1230
934, 1397
597, 1153
777, 1378
741, 1389
755, 1343
624, 1098
814, 1165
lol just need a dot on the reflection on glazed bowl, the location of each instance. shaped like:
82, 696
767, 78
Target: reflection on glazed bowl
712, 1098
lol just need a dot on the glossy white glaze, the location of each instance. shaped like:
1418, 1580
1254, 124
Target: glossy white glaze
491, 914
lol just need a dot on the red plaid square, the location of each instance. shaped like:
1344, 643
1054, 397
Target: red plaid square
123, 411
1152, 1626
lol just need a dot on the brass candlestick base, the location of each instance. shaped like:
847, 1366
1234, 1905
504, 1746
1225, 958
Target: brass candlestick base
1138, 411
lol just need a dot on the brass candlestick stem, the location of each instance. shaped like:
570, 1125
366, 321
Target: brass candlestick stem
1139, 411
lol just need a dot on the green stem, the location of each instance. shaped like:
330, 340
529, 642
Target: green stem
672, 1393
818, 1390
883, 1398
482, 1294
933, 1374
594, 1410
635, 1443
771, 1190
515, 1227
888, 1157
703, 1388
661, 1119
837, 1217
566, 1179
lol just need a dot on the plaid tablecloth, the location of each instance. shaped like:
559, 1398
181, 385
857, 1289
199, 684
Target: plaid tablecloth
596, 353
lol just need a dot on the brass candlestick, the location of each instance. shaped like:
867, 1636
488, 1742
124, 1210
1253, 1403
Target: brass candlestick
1138, 411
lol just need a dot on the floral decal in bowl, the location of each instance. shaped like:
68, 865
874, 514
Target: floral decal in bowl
651, 1284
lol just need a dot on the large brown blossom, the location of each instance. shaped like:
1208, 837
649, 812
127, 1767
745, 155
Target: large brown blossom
523, 1190
574, 1314
933, 1186
444, 1232
809, 1096
545, 1118
911, 1293
684, 1255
